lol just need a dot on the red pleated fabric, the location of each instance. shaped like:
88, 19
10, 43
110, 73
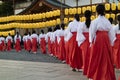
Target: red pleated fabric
116, 51
62, 54
67, 52
0, 46
49, 46
75, 54
9, 43
101, 65
56, 47
17, 45
28, 45
43, 45
85, 47
34, 45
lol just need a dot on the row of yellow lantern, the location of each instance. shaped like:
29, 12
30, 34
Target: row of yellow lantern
31, 16
81, 10
31, 25
113, 6
5, 33
82, 19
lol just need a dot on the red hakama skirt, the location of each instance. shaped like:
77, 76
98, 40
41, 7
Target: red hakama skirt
34, 45
67, 52
56, 47
28, 45
9, 45
62, 54
75, 54
43, 45
116, 51
85, 47
101, 65
49, 46
17, 45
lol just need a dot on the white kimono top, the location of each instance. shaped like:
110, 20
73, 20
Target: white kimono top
101, 24
17, 37
9, 38
80, 36
34, 36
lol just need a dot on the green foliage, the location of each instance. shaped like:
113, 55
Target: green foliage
6, 9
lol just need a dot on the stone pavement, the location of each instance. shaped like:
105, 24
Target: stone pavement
27, 66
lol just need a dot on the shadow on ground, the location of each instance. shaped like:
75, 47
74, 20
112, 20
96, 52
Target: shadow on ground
26, 56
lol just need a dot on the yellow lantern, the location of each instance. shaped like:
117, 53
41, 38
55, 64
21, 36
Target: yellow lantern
65, 20
113, 16
79, 10
94, 8
66, 11
83, 19
107, 16
58, 21
70, 11
83, 9
118, 5
92, 17
113, 6
88, 8
71, 19
107, 6
43, 15
74, 10
58, 12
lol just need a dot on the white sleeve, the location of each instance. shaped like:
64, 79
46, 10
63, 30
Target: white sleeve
39, 38
92, 31
112, 34
15, 39
46, 37
11, 39
20, 38
80, 37
6, 39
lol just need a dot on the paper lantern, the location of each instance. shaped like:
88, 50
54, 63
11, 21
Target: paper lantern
83, 19
66, 11
43, 15
70, 11
107, 16
71, 19
83, 9
74, 10
118, 5
58, 21
65, 20
113, 16
92, 17
93, 8
88, 8
113, 6
58, 12
107, 6
79, 10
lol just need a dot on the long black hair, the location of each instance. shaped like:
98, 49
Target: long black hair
77, 17
42, 31
88, 18
100, 9
118, 18
49, 29
62, 26
111, 20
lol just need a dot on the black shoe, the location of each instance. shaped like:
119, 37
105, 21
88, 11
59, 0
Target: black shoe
73, 69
